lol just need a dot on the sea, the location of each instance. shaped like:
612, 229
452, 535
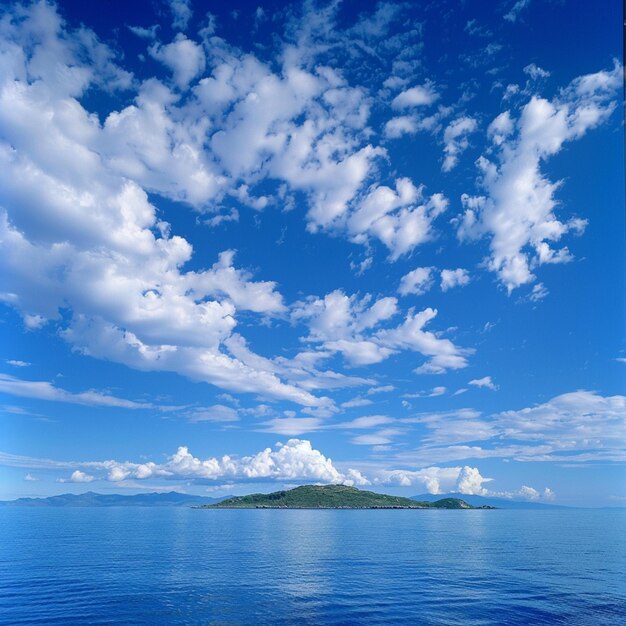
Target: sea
191, 566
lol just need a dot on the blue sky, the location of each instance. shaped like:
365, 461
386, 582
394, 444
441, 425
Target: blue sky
270, 244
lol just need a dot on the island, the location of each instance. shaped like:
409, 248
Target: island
333, 497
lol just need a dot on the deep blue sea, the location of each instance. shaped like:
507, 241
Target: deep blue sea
184, 566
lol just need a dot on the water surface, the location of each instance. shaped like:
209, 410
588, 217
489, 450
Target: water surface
185, 566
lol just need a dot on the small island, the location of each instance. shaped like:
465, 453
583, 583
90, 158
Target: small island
333, 497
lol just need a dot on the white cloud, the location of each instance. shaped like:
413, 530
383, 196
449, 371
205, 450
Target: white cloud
183, 57
292, 425
442, 353
17, 363
29, 477
417, 281
294, 460
454, 278
484, 382
455, 141
181, 13
421, 95
347, 325
517, 214
577, 427
355, 402
79, 477
400, 219
514, 12
144, 32
439, 480
367, 421
401, 125
538, 292
378, 438
215, 413
535, 72
42, 390
380, 389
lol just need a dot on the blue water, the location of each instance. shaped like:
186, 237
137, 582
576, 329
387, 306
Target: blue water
185, 566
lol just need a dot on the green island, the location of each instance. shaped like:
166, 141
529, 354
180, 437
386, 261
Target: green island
333, 497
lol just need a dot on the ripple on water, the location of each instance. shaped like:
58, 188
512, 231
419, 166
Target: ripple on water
182, 566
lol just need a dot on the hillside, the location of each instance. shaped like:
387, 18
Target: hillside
331, 497
484, 501
91, 499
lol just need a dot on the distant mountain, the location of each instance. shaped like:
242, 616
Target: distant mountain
331, 497
500, 503
171, 498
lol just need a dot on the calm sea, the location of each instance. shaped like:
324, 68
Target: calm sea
184, 566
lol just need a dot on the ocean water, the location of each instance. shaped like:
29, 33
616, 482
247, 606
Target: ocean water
184, 566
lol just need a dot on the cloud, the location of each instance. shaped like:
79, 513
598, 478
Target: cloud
17, 363
517, 212
514, 12
439, 480
455, 141
380, 389
294, 460
378, 438
441, 354
292, 425
535, 72
42, 390
367, 421
215, 413
485, 382
77, 477
82, 235
347, 324
143, 32
577, 427
421, 95
400, 219
454, 278
29, 477
183, 57
356, 402
417, 281
181, 13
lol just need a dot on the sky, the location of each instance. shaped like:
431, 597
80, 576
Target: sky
251, 245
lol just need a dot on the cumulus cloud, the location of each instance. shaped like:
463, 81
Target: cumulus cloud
485, 382
78, 477
78, 230
421, 95
296, 459
417, 281
401, 219
439, 480
455, 141
518, 211
347, 324
454, 278
183, 57
181, 13
29, 477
